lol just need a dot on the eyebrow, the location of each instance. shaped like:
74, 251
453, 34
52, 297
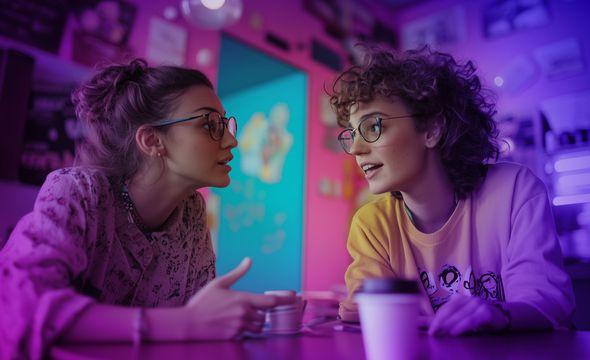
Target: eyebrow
208, 108
373, 113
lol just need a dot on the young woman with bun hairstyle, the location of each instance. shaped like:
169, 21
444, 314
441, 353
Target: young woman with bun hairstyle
117, 247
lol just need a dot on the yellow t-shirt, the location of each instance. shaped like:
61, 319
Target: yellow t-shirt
500, 237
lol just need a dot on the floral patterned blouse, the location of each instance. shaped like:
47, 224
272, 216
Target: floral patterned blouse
78, 246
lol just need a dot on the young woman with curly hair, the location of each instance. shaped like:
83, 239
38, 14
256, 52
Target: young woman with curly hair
478, 235
117, 248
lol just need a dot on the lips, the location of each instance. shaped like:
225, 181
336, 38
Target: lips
367, 167
225, 160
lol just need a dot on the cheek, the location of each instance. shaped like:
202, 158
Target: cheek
404, 154
201, 156
197, 147
191, 154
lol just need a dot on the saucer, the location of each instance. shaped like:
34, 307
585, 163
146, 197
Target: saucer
283, 332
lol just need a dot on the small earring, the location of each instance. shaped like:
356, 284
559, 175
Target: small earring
159, 154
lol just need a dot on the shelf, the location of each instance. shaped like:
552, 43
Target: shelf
50, 67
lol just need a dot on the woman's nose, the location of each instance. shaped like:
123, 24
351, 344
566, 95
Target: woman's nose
359, 146
229, 140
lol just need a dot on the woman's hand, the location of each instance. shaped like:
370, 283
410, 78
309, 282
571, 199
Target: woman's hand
464, 314
216, 312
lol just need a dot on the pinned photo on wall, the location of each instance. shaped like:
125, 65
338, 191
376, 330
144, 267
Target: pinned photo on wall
351, 22
330, 122
107, 20
444, 28
101, 31
503, 17
166, 43
560, 59
517, 75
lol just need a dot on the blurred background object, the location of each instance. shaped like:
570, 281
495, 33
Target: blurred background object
212, 14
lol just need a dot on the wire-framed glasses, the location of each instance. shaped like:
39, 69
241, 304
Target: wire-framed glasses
216, 124
370, 129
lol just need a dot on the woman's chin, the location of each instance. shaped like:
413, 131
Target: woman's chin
377, 189
222, 183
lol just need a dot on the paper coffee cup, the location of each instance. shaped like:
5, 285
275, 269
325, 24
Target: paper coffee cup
388, 310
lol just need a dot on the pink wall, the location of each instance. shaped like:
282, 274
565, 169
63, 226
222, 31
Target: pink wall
568, 19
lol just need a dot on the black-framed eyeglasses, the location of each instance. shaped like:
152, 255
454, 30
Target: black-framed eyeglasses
370, 129
215, 122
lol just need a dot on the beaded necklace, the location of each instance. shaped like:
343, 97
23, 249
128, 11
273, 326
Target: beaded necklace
132, 214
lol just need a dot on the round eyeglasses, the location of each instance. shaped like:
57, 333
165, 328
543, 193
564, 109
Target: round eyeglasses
370, 129
216, 123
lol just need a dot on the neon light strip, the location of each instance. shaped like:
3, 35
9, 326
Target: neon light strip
567, 181
571, 199
572, 164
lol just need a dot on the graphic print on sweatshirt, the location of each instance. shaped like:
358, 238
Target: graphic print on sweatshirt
450, 281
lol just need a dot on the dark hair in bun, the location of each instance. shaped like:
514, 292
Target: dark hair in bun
120, 98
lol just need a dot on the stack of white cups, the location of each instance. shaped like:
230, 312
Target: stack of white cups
284, 319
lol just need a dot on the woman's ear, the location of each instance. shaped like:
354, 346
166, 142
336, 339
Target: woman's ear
434, 134
149, 141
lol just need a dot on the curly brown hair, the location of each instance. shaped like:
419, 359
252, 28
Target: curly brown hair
442, 92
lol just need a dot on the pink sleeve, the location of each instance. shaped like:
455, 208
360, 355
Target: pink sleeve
43, 257
533, 272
